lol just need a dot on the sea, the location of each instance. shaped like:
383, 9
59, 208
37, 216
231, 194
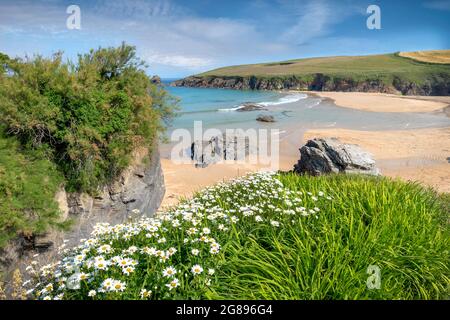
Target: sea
218, 108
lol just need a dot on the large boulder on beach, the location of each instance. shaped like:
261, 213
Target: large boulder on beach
265, 118
250, 106
329, 155
218, 148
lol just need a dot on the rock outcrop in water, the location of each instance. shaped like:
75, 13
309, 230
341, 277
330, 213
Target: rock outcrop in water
139, 190
439, 86
250, 106
323, 156
265, 118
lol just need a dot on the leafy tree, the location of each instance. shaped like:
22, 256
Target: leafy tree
3, 61
86, 116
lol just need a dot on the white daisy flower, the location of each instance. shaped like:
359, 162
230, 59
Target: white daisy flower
101, 265
169, 271
173, 284
128, 270
196, 269
274, 223
145, 293
118, 286
82, 276
106, 248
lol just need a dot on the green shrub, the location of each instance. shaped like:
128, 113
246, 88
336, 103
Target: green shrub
28, 185
89, 115
268, 237
3, 63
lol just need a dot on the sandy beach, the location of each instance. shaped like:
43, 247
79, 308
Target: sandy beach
421, 155
380, 102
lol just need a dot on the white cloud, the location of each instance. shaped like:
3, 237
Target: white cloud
438, 5
168, 35
177, 60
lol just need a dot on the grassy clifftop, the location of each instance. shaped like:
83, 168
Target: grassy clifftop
355, 66
415, 73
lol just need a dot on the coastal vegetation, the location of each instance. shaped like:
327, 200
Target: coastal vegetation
267, 236
381, 73
28, 183
71, 124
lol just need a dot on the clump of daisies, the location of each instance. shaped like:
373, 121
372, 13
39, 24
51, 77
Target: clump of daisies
176, 254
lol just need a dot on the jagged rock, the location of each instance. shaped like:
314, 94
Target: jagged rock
265, 118
249, 106
329, 155
218, 148
208, 152
156, 80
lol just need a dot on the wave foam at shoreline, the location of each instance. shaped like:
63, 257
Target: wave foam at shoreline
284, 100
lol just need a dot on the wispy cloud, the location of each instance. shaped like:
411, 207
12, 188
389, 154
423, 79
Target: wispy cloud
139, 9
177, 60
315, 19
438, 5
187, 37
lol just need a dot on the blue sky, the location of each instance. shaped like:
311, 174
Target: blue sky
178, 38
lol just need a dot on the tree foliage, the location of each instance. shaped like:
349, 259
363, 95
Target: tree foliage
87, 116
28, 184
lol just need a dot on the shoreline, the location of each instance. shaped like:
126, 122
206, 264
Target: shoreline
421, 155
383, 102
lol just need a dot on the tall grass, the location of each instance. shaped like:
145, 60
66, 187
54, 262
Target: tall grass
401, 228
269, 236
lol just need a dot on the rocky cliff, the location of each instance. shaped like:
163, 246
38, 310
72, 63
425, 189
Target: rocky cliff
438, 85
138, 191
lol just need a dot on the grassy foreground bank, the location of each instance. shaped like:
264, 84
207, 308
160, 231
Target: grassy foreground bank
268, 236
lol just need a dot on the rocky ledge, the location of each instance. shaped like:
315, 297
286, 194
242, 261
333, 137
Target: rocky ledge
435, 86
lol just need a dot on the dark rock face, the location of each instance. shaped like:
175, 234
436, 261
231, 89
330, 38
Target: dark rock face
156, 80
265, 118
137, 192
219, 148
323, 156
437, 85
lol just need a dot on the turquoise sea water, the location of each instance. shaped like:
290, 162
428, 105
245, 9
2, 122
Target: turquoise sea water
216, 108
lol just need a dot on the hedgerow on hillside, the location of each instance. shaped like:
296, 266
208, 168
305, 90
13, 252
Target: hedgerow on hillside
266, 236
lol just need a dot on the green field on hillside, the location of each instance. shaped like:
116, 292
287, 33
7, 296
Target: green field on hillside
379, 66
